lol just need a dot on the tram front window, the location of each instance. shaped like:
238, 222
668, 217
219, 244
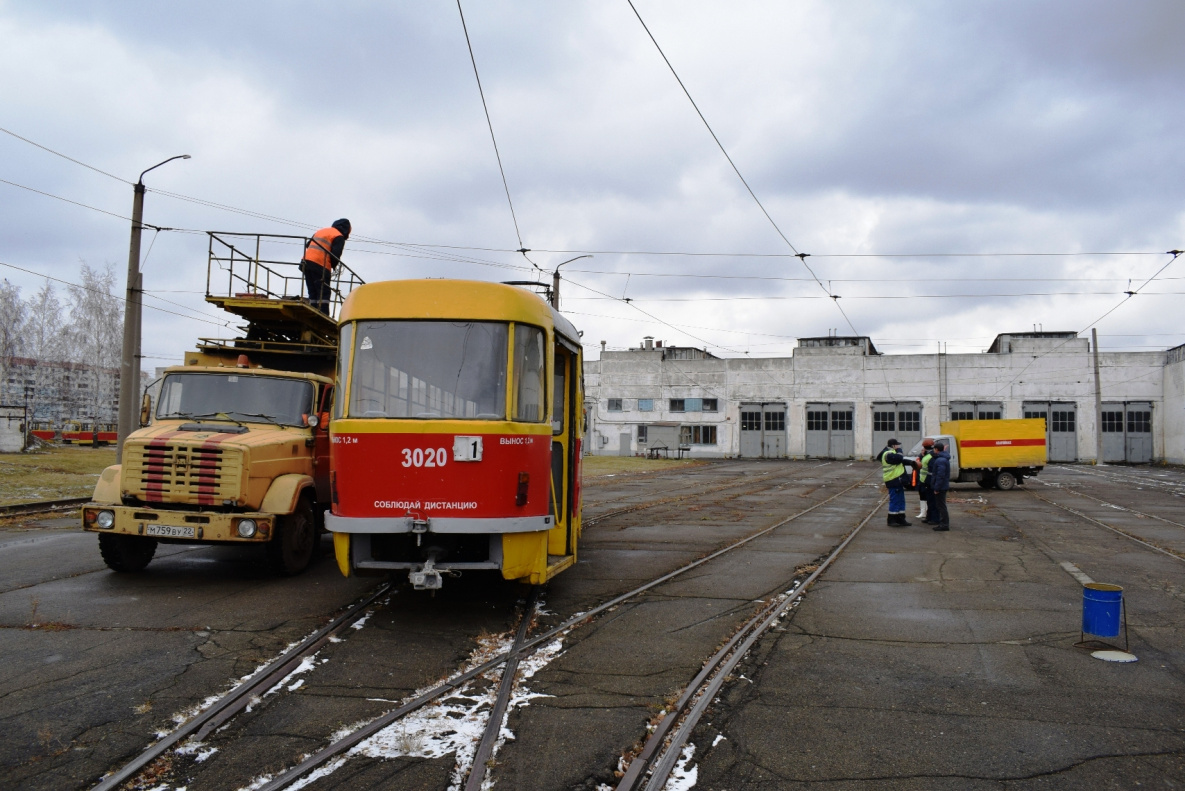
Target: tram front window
429, 369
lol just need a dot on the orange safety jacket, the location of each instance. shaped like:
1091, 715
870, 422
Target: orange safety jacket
317, 250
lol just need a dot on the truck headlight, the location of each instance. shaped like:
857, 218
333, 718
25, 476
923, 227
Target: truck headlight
246, 528
105, 519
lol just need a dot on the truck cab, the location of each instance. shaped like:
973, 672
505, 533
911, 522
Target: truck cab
231, 456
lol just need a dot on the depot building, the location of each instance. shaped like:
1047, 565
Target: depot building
837, 397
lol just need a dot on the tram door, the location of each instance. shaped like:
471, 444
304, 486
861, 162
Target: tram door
1061, 427
565, 430
829, 431
763, 431
900, 420
1127, 432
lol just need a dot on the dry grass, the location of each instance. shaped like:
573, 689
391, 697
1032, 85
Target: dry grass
51, 473
600, 466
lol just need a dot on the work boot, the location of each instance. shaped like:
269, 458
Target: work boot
922, 512
901, 521
892, 520
941, 528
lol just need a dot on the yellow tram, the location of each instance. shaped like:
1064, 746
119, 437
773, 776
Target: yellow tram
455, 437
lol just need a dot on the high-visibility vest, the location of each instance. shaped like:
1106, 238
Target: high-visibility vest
924, 473
890, 471
317, 250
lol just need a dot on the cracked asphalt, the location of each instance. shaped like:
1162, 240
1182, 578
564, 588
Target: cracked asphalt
919, 660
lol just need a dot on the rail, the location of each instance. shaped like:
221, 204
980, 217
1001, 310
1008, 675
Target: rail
262, 266
45, 507
521, 650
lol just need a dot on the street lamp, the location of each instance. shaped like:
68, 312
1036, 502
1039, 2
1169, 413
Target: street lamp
129, 366
555, 280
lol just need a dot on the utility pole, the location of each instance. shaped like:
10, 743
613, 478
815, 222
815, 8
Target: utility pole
1098, 398
129, 364
555, 280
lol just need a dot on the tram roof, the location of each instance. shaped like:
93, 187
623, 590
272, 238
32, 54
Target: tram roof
460, 300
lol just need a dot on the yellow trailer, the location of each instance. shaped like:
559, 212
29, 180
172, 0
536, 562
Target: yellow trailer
993, 453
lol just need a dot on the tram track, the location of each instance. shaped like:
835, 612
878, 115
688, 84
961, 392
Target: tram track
1118, 531
522, 649
239, 697
1175, 488
659, 755
699, 493
44, 507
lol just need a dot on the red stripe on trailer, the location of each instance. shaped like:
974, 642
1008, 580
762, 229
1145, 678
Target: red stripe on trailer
1000, 443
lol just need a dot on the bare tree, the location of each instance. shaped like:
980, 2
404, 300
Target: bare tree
94, 338
12, 323
45, 343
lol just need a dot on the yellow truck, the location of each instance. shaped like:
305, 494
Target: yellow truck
236, 449
993, 453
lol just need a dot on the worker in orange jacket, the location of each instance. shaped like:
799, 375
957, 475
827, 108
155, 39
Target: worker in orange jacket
322, 254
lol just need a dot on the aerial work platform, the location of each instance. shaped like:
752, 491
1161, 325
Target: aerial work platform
257, 277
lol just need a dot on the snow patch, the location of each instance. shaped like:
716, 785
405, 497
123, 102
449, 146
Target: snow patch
720, 737
682, 777
358, 624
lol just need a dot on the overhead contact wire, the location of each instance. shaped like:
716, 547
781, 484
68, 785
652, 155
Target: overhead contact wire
522, 248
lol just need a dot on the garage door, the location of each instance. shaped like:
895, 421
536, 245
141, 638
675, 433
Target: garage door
1127, 432
901, 420
763, 430
1061, 427
829, 431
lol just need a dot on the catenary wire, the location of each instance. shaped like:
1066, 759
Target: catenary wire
63, 156
113, 296
490, 124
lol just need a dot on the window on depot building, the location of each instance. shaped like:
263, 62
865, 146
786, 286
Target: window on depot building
710, 405
614, 404
643, 434
645, 404
678, 405
697, 435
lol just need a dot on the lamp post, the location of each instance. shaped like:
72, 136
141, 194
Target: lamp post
129, 366
555, 280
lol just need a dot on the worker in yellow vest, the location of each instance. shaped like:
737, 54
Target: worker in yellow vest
925, 492
322, 253
893, 464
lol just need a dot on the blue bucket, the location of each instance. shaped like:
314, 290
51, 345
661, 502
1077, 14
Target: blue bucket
1101, 606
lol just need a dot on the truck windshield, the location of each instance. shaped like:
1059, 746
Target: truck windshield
241, 397
429, 369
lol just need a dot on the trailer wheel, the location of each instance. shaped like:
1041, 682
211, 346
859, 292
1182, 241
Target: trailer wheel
986, 480
1005, 481
291, 550
126, 553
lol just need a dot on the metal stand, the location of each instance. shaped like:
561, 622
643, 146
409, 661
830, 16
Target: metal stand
1099, 645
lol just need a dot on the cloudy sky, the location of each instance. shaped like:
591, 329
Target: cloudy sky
906, 146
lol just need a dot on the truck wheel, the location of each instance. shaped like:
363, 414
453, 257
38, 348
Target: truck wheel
1005, 481
291, 550
126, 553
986, 480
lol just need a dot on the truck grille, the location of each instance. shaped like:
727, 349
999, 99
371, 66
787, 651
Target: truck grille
169, 473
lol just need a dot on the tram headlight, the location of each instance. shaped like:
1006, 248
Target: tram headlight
105, 519
246, 528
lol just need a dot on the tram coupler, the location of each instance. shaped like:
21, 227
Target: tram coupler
420, 527
427, 577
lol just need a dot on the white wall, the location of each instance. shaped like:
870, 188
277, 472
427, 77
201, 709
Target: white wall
12, 423
1035, 370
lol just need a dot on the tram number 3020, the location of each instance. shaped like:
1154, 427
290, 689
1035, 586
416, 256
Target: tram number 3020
424, 457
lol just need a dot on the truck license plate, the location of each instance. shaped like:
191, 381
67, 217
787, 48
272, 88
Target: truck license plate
170, 531
466, 448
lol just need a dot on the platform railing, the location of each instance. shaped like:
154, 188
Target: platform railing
267, 266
